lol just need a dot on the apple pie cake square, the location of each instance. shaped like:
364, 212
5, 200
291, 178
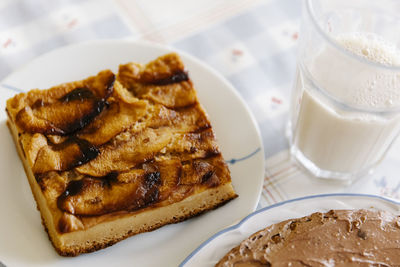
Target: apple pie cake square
115, 155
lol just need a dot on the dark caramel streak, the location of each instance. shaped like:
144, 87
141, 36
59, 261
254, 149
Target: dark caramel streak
77, 186
211, 154
38, 104
88, 150
152, 179
177, 77
206, 176
77, 94
110, 87
92, 196
201, 129
63, 226
68, 125
109, 179
73, 188
81, 94
85, 120
151, 183
183, 108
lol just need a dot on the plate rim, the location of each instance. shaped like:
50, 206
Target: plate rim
245, 219
229, 86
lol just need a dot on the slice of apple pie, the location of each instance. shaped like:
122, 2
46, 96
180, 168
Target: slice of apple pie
116, 155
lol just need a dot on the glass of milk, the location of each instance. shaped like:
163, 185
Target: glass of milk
345, 111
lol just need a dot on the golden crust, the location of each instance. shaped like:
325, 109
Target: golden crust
97, 246
111, 150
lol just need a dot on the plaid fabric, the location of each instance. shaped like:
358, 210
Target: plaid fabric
252, 43
31, 28
286, 180
256, 51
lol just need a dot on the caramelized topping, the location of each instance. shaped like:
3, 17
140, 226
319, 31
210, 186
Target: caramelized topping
137, 188
163, 81
77, 94
97, 196
71, 153
130, 149
88, 152
118, 117
177, 77
203, 171
176, 95
70, 113
162, 68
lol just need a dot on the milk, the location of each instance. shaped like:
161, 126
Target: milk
331, 135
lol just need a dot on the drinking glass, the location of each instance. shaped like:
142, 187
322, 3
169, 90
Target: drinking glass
346, 98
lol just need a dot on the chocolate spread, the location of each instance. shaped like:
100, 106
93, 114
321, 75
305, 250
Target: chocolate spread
336, 238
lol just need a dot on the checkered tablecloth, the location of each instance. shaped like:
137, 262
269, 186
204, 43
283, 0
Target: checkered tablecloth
251, 42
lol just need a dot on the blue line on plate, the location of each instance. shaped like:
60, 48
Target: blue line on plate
233, 161
13, 88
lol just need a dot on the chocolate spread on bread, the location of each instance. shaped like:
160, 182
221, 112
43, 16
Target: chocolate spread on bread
336, 238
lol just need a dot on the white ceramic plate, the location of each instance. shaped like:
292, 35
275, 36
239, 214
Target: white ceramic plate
22, 238
211, 251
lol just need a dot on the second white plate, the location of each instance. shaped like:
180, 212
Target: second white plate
23, 241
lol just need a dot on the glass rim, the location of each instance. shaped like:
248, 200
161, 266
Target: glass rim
331, 41
382, 111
